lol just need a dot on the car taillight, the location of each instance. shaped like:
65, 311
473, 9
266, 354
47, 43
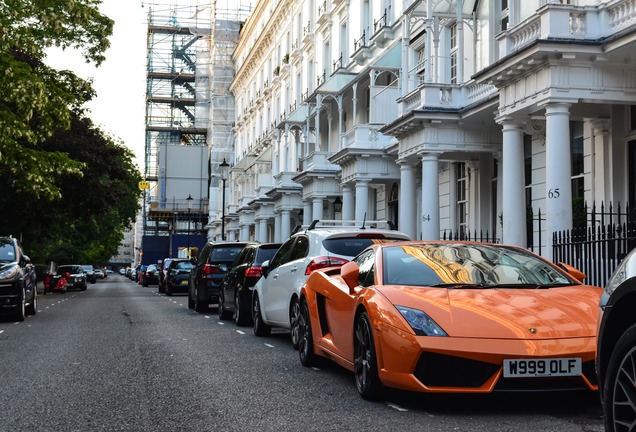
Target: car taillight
210, 269
324, 262
255, 271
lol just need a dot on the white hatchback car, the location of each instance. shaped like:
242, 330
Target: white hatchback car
275, 295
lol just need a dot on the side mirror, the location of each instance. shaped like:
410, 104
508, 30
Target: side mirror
350, 273
573, 271
265, 268
193, 261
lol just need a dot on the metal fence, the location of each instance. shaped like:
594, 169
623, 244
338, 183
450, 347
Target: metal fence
598, 248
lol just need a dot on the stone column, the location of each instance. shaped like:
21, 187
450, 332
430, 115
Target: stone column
558, 171
307, 216
430, 196
362, 199
277, 227
348, 203
262, 230
513, 205
316, 212
285, 225
406, 209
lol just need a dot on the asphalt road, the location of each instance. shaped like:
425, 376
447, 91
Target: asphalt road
120, 357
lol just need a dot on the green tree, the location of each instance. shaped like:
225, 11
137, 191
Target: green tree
65, 187
87, 223
37, 100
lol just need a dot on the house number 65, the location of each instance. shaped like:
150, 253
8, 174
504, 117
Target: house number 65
554, 193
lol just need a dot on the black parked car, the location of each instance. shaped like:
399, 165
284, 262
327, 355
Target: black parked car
163, 269
616, 350
235, 297
75, 276
18, 289
177, 276
214, 262
150, 276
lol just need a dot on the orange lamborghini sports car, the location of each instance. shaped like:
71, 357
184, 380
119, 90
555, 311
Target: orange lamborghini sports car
452, 317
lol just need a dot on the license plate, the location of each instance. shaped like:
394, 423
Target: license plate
184, 282
542, 367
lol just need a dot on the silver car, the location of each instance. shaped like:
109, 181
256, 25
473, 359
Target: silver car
275, 295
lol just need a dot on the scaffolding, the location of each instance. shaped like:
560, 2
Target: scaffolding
177, 85
188, 105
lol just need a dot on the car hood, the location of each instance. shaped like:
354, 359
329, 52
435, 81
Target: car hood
501, 313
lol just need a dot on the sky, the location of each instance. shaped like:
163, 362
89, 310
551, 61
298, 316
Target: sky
120, 82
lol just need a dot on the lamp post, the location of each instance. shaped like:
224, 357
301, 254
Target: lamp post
189, 200
223, 171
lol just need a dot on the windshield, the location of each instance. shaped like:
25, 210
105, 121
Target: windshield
7, 252
69, 269
468, 265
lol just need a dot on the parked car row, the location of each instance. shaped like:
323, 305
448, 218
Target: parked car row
427, 316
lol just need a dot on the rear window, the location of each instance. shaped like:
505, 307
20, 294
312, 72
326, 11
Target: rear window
352, 246
224, 253
69, 269
183, 265
264, 254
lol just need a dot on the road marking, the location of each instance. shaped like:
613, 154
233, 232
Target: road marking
396, 407
1, 331
221, 323
315, 368
240, 332
269, 345
207, 317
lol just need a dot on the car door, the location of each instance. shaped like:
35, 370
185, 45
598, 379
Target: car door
340, 307
234, 276
266, 286
287, 282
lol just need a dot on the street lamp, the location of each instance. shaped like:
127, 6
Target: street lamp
223, 171
189, 200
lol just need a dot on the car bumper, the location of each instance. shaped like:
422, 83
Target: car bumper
464, 365
178, 286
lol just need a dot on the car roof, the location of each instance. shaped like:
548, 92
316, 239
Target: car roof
346, 227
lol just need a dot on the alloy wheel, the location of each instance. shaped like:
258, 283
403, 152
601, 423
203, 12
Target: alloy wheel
624, 394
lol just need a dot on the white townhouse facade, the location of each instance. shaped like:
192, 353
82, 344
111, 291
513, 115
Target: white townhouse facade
436, 115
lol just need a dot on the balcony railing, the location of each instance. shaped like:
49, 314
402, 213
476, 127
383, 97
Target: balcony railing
558, 21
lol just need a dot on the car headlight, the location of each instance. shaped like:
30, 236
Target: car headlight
422, 324
9, 272
626, 270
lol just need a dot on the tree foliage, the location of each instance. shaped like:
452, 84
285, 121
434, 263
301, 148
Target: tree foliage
36, 100
65, 187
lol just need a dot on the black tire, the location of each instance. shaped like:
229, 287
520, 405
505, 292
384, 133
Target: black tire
32, 308
294, 317
168, 290
162, 288
260, 328
190, 302
20, 310
619, 393
365, 364
306, 339
84, 287
199, 306
242, 315
223, 314
144, 283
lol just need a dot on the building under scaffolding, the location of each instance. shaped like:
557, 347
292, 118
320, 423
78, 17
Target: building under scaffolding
177, 113
189, 115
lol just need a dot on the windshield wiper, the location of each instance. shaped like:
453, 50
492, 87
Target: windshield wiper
462, 285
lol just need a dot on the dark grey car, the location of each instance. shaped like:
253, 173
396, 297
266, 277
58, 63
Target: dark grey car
213, 263
18, 289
